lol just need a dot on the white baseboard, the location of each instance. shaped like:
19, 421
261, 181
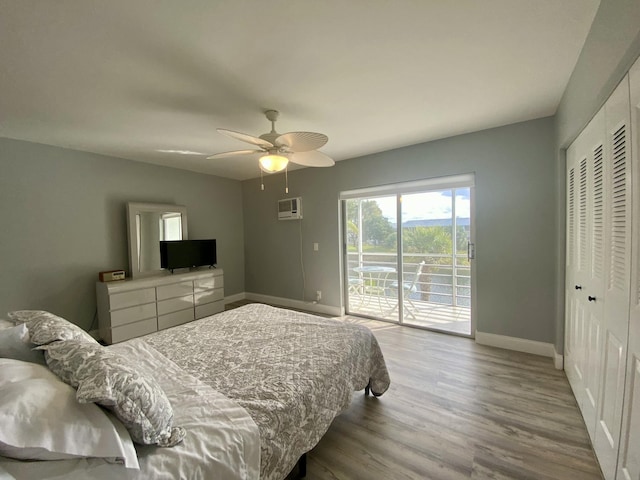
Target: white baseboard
299, 304
235, 298
286, 302
558, 360
519, 345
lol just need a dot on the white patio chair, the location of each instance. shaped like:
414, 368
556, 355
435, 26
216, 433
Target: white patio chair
407, 289
356, 288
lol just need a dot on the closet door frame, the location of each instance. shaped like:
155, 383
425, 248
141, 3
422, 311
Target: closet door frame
629, 451
618, 279
598, 284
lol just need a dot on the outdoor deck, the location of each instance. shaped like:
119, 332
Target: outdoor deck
431, 315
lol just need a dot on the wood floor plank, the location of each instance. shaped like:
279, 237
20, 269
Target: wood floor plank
458, 410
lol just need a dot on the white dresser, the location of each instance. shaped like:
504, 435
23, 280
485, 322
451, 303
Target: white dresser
131, 308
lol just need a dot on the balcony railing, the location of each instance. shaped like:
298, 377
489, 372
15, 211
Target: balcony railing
445, 278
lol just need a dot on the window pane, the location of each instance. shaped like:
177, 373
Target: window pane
372, 255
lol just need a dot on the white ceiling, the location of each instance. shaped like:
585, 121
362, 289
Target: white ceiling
131, 78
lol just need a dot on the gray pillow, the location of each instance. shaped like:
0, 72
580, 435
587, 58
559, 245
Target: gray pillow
24, 316
14, 343
107, 378
45, 327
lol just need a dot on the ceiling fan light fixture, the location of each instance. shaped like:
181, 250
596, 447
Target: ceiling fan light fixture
276, 150
273, 163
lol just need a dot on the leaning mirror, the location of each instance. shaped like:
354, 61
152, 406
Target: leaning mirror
147, 224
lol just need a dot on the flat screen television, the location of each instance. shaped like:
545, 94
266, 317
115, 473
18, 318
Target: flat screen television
187, 253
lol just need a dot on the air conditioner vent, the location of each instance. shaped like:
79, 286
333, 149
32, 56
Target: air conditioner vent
290, 208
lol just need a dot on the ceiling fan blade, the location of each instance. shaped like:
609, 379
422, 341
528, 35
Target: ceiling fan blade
312, 159
243, 137
234, 154
302, 141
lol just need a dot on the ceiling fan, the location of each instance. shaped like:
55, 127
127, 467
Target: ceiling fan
277, 150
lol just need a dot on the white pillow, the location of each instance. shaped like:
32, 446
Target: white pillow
14, 343
5, 324
42, 420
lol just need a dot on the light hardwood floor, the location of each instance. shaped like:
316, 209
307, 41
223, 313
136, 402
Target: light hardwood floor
457, 410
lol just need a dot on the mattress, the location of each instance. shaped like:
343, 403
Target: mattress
293, 372
254, 388
222, 440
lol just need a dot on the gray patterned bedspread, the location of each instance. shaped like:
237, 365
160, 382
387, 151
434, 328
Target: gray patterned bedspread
293, 372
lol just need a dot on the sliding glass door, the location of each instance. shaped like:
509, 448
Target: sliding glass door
436, 231
407, 255
372, 256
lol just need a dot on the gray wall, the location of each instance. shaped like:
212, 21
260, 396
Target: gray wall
515, 215
63, 214
62, 217
610, 49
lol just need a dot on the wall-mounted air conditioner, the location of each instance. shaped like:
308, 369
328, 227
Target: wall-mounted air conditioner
290, 208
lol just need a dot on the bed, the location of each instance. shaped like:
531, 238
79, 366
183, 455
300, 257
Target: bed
255, 388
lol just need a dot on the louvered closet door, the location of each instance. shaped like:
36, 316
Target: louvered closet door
585, 266
617, 277
629, 455
593, 270
573, 313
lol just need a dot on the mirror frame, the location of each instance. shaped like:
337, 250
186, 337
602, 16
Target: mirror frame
135, 208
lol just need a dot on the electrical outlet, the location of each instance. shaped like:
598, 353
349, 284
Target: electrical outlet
318, 295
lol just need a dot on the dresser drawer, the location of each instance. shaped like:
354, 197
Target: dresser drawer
175, 304
131, 330
138, 307
209, 309
129, 299
208, 296
208, 283
174, 290
133, 314
175, 318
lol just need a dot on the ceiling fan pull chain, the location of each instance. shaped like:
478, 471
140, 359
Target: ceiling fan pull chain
286, 179
261, 181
